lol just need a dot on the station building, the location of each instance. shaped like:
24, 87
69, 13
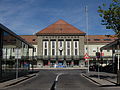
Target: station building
64, 44
60, 43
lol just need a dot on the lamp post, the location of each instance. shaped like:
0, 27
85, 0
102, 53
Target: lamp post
86, 12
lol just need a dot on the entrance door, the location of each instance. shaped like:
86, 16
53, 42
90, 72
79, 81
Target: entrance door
76, 63
60, 62
68, 63
52, 63
45, 63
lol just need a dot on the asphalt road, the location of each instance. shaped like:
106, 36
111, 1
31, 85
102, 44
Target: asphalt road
59, 80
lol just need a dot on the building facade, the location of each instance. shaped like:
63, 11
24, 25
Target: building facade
60, 43
95, 42
14, 53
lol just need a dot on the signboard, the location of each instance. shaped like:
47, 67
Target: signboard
86, 56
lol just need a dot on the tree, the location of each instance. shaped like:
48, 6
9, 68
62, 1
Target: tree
111, 16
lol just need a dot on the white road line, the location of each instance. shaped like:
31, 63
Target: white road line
58, 76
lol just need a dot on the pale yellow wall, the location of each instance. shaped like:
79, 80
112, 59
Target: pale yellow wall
92, 48
31, 50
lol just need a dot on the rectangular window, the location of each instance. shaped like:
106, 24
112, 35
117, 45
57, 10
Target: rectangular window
68, 51
45, 44
60, 52
75, 44
53, 51
68, 44
60, 43
13, 49
75, 51
107, 40
96, 39
34, 49
45, 52
53, 44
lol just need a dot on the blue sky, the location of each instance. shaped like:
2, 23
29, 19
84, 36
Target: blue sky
26, 17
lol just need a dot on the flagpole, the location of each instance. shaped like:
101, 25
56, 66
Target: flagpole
86, 12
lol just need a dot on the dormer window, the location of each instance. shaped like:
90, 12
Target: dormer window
96, 39
33, 39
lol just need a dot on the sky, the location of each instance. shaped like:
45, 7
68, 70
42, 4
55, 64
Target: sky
26, 17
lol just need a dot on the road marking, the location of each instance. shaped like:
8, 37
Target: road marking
58, 76
55, 82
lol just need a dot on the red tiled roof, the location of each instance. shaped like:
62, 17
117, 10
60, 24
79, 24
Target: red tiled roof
99, 39
30, 38
102, 39
60, 27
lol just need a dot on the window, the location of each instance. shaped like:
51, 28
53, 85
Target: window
107, 39
53, 51
45, 53
75, 44
68, 51
94, 50
53, 44
68, 44
60, 43
75, 51
33, 39
108, 50
60, 52
96, 39
45, 44
88, 39
34, 49
13, 49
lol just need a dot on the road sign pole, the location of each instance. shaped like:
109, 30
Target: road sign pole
88, 65
86, 57
118, 66
16, 63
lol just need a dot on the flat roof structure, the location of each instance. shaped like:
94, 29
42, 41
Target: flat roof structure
2, 27
112, 45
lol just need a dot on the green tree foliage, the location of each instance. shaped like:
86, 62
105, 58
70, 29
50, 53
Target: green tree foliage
111, 16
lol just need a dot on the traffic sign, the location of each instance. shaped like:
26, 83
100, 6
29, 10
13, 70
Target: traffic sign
86, 56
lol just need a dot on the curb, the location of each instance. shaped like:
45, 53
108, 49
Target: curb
15, 81
110, 83
91, 79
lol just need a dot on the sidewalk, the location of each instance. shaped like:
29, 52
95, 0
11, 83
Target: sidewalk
102, 78
16, 81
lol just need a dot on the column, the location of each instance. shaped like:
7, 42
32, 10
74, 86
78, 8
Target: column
72, 56
56, 48
72, 48
113, 58
32, 58
49, 47
64, 47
